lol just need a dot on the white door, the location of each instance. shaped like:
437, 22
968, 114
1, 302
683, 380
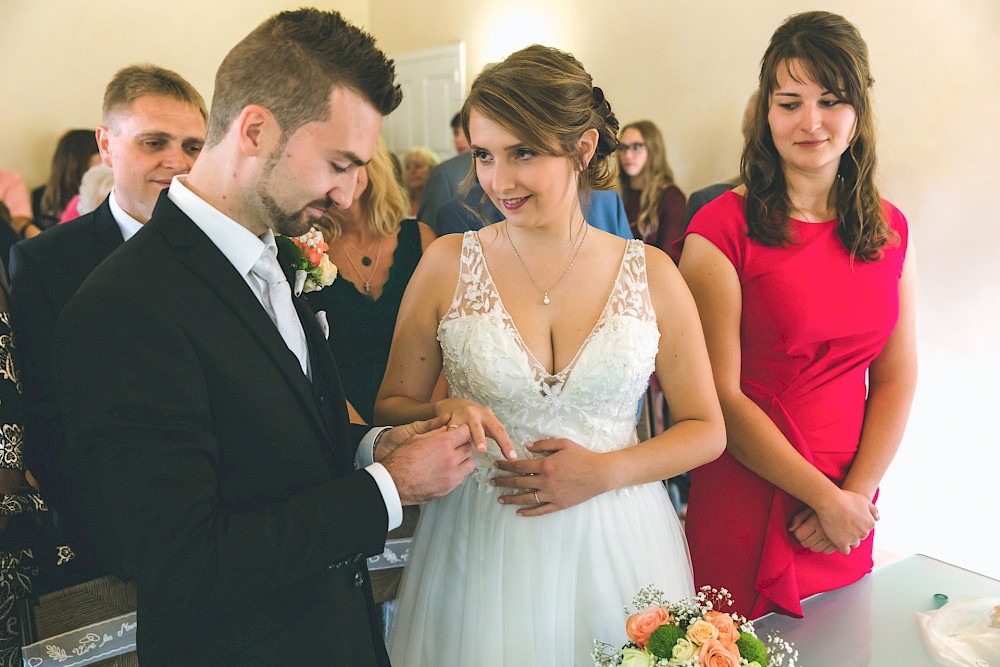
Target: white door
433, 82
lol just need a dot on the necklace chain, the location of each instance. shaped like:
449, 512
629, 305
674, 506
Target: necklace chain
366, 284
545, 292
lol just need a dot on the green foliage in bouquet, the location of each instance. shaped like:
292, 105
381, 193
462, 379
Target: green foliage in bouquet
751, 648
692, 632
662, 641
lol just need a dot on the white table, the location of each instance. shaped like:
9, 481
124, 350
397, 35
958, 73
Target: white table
871, 622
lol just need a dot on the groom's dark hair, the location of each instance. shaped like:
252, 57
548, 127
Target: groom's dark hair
291, 62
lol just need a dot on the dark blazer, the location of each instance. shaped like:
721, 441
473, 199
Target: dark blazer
221, 479
442, 187
46, 271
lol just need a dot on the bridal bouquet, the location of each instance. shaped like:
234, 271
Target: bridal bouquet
313, 268
694, 632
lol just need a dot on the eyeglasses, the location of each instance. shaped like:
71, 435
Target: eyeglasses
637, 147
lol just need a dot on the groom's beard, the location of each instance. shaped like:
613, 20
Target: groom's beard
278, 219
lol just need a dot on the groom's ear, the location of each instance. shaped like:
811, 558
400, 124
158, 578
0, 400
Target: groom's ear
257, 131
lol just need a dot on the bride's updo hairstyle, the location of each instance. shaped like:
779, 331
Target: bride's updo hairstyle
831, 52
545, 98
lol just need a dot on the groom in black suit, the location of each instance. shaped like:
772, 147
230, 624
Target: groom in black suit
153, 128
208, 432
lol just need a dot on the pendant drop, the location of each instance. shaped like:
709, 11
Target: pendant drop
368, 288
545, 298
366, 260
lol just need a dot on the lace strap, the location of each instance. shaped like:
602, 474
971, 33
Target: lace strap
631, 291
474, 290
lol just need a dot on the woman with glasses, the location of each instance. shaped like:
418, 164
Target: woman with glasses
653, 203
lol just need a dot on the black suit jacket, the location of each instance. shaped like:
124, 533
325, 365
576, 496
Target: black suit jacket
46, 271
219, 476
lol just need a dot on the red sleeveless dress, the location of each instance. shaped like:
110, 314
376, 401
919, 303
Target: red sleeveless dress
812, 323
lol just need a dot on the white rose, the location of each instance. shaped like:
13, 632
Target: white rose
329, 270
636, 658
684, 650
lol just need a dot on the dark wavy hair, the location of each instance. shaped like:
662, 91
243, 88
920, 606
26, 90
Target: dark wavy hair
545, 98
69, 162
830, 50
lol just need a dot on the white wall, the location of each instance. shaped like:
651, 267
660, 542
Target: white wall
688, 65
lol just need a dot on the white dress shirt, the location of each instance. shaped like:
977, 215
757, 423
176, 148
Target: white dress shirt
242, 248
126, 223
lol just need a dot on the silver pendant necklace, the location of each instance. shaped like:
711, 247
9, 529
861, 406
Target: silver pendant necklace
545, 292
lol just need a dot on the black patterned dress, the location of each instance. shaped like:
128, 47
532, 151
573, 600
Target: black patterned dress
28, 552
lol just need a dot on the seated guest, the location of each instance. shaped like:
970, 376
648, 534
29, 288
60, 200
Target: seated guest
442, 188
417, 167
75, 153
14, 195
7, 239
444, 179
654, 204
94, 188
154, 128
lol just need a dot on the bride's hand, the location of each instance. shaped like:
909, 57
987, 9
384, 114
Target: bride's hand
569, 475
481, 421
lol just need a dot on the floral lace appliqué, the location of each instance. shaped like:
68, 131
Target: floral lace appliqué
592, 401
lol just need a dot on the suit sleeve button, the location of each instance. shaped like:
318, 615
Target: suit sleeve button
359, 580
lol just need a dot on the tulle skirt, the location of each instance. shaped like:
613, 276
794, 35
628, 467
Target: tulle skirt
487, 587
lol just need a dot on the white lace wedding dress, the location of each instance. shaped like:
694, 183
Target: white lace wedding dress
487, 587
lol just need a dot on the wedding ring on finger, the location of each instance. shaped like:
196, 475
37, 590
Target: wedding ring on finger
535, 494
451, 426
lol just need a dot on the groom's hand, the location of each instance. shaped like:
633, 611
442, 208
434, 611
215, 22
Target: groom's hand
387, 443
429, 465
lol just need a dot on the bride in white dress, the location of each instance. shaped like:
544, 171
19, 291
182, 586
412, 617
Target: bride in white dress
547, 330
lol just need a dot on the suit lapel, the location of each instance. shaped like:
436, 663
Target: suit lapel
328, 391
107, 234
200, 256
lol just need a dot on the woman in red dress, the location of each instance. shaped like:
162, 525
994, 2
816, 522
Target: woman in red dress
805, 284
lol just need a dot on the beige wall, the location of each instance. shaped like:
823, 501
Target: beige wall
688, 65
58, 56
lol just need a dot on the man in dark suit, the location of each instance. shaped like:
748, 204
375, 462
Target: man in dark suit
207, 428
153, 129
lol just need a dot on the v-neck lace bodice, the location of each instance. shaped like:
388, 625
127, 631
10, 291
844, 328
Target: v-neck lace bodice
487, 586
592, 400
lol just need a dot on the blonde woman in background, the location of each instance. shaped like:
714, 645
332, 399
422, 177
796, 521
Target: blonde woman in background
375, 246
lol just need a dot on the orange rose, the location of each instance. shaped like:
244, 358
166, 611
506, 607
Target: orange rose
728, 632
701, 632
640, 626
717, 654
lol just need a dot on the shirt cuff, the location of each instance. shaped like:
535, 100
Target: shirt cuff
389, 493
365, 456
